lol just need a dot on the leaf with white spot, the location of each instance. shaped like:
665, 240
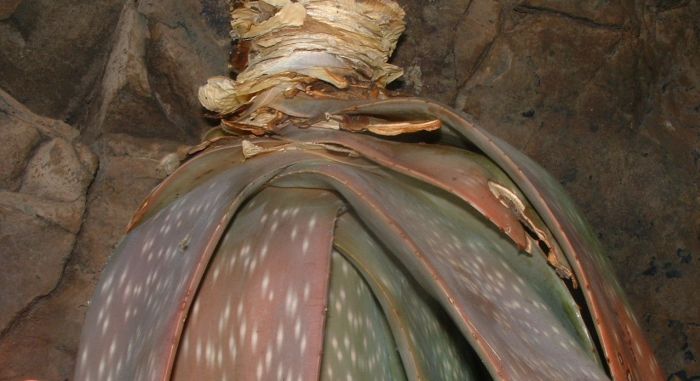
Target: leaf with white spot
457, 259
359, 344
261, 303
614, 321
431, 346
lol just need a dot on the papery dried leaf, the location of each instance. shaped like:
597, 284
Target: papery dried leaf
289, 15
386, 128
309, 40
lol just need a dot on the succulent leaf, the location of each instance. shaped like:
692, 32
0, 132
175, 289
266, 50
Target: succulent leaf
359, 343
430, 345
260, 308
627, 352
456, 258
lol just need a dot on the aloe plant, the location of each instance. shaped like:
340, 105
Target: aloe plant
302, 240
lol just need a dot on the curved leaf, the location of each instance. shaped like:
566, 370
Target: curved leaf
626, 350
358, 342
463, 263
431, 346
259, 312
136, 313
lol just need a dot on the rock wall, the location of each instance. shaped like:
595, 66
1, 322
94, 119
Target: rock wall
604, 94
115, 83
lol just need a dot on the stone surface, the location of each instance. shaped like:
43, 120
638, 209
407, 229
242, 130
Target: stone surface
604, 94
57, 173
13, 112
66, 215
162, 52
42, 345
35, 264
18, 139
54, 51
39, 221
8, 7
107, 44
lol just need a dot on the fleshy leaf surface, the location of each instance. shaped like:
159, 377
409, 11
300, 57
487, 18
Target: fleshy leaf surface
259, 313
626, 350
459, 261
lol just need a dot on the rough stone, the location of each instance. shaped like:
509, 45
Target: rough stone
43, 345
18, 140
53, 51
594, 13
125, 101
162, 53
31, 266
188, 43
13, 112
430, 24
38, 225
57, 173
8, 7
67, 215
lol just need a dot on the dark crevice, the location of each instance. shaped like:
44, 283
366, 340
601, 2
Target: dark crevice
573, 286
451, 51
670, 5
78, 110
580, 299
529, 9
540, 242
485, 53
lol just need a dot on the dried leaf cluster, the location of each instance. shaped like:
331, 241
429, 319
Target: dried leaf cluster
325, 50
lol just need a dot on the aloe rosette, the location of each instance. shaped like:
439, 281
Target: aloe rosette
327, 230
